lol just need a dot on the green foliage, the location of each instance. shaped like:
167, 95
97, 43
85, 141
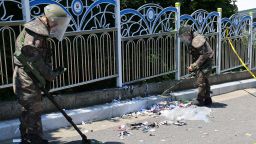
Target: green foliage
187, 6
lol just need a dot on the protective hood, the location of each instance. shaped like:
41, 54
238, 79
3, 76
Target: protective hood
185, 34
38, 27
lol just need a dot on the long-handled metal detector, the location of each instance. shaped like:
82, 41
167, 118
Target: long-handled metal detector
40, 82
68, 118
169, 90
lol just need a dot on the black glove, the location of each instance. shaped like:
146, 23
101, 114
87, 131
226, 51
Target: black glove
60, 70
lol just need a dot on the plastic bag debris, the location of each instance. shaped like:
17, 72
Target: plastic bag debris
179, 123
124, 133
188, 113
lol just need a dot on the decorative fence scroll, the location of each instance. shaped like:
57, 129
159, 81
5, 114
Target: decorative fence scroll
254, 46
204, 23
148, 42
90, 49
237, 29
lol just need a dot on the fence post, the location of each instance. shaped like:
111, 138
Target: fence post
26, 10
218, 47
250, 41
119, 49
177, 27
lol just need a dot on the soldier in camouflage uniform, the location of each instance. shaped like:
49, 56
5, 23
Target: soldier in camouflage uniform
32, 43
202, 55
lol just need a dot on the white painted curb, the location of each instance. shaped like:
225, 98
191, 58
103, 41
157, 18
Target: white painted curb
9, 129
216, 89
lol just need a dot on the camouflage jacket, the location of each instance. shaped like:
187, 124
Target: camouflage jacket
201, 52
32, 42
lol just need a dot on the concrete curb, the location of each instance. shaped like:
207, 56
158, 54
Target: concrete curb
9, 129
216, 89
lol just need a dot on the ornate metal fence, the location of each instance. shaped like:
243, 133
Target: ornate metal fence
9, 29
204, 23
88, 50
148, 42
103, 42
254, 46
237, 28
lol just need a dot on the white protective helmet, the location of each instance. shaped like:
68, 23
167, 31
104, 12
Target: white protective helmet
58, 19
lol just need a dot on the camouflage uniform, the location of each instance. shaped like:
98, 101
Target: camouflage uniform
202, 55
32, 43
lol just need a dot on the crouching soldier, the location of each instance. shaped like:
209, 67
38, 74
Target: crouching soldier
33, 52
202, 55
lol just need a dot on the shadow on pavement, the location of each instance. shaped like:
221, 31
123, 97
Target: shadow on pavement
113, 143
80, 142
218, 105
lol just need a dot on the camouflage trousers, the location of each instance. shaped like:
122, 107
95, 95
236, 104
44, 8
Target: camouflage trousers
30, 120
30, 98
204, 89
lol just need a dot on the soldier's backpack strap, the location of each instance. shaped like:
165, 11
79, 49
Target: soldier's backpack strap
20, 39
30, 69
28, 66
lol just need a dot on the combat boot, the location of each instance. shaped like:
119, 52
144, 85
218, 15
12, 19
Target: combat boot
24, 142
198, 102
35, 139
94, 141
208, 101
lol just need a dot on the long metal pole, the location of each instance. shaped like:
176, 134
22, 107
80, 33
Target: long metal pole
26, 10
68, 118
119, 49
218, 48
250, 41
177, 55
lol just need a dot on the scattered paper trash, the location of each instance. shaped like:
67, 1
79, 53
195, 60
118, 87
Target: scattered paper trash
124, 133
152, 135
248, 134
176, 113
16, 140
179, 123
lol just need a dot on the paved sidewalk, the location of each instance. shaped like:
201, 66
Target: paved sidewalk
233, 122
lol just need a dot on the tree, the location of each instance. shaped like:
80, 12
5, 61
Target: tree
187, 6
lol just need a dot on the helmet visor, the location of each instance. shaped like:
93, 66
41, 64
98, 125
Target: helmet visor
59, 26
186, 38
